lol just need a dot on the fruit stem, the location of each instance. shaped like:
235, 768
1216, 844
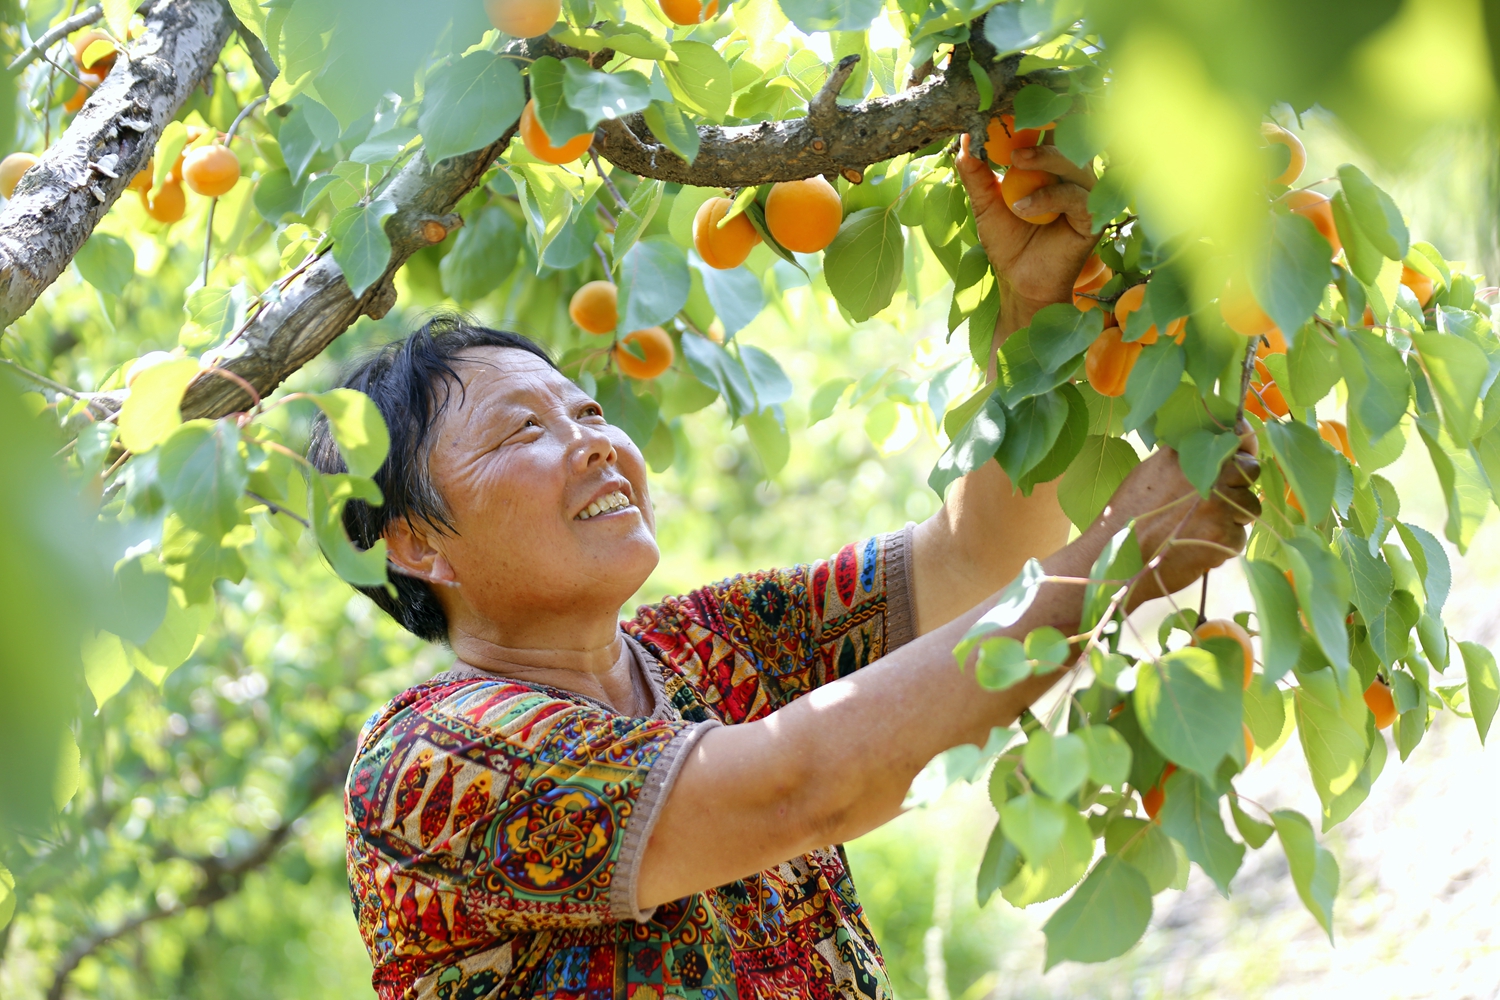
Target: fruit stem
208, 242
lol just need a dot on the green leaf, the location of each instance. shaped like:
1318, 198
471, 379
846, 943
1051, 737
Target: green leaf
1109, 755
974, 445
153, 408
1035, 824
1431, 563
1370, 576
1312, 365
1118, 561
106, 262
1330, 724
1104, 917
1036, 106
360, 245
717, 368
216, 310
830, 15
827, 397
1276, 618
768, 435
1001, 662
1484, 685
1375, 213
1067, 445
1058, 765
1154, 378
1048, 647
672, 127
1190, 816
634, 414
1202, 454
1364, 259
654, 283
700, 79
1457, 370
1100, 467
604, 96
944, 211
1379, 385
106, 669
357, 426
1252, 831
1145, 847
1014, 600
327, 495
483, 255
1308, 463
1021, 374
559, 119
1289, 271
1189, 707
1059, 333
864, 262
1031, 429
1315, 873
469, 104
637, 215
1000, 864
203, 476
736, 295
1323, 590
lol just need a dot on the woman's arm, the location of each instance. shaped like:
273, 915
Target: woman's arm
837, 762
986, 530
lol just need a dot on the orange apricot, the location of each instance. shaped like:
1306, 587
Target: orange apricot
689, 11
1318, 210
538, 144
656, 345
211, 170
1241, 312
101, 64
1378, 699
1336, 434
1018, 183
1153, 800
804, 215
726, 246
1083, 290
1274, 343
11, 169
1092, 268
523, 18
596, 307
87, 84
1003, 138
1275, 134
169, 205
1108, 362
1265, 398
142, 180
1419, 283
1228, 629
1132, 299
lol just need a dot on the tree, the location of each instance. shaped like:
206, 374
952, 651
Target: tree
339, 147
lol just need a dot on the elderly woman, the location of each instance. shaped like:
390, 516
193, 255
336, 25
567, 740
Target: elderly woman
588, 808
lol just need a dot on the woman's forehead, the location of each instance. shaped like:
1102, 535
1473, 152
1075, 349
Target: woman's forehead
508, 375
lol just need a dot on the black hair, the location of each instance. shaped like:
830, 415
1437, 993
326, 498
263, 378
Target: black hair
410, 382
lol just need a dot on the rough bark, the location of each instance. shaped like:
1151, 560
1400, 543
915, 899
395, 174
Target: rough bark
59, 201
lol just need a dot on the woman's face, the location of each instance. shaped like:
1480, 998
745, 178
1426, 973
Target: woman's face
521, 457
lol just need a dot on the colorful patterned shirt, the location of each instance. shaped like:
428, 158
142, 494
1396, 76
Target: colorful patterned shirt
496, 829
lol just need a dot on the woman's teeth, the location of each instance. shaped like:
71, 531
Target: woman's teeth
615, 501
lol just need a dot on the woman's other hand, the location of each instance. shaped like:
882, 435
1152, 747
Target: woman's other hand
1035, 265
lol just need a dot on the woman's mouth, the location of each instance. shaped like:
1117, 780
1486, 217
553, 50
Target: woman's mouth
604, 505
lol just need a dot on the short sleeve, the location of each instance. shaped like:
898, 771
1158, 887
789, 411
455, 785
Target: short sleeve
483, 807
753, 643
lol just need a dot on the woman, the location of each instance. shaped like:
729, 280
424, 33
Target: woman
584, 808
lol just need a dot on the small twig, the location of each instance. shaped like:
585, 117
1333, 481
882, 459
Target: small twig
1203, 601
60, 30
1247, 370
276, 508
608, 184
208, 240
46, 382
825, 101
603, 260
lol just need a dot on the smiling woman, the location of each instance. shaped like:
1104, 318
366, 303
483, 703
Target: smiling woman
589, 808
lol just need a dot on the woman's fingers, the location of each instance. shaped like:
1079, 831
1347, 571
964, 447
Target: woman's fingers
1050, 159
980, 182
1065, 199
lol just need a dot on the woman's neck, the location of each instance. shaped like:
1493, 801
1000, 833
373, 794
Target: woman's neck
605, 673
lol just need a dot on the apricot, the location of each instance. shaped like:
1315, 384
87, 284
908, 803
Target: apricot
1265, 399
1378, 699
1241, 312
1003, 138
523, 18
169, 205
1092, 268
1153, 800
11, 169
537, 143
1317, 209
1228, 629
1336, 434
1132, 299
1108, 362
1274, 343
87, 84
658, 349
102, 64
804, 215
596, 307
142, 180
1419, 283
211, 170
1275, 134
1083, 290
727, 246
689, 11
1018, 183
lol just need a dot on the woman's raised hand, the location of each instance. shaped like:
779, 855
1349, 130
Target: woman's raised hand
1035, 265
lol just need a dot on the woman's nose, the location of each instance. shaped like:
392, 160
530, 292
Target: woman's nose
592, 446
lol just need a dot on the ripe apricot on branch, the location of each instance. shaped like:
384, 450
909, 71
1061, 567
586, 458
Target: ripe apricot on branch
1242, 313
727, 246
1092, 268
656, 345
523, 18
87, 82
142, 180
595, 307
169, 205
1089, 281
1265, 399
1108, 362
11, 169
537, 143
689, 11
101, 64
1003, 138
1419, 283
1336, 434
1275, 134
1381, 704
804, 215
1274, 343
1132, 299
1228, 629
1017, 184
211, 170
1317, 209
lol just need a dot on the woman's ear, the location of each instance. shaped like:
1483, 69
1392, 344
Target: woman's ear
411, 552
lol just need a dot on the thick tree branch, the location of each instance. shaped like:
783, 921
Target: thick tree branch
59, 201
